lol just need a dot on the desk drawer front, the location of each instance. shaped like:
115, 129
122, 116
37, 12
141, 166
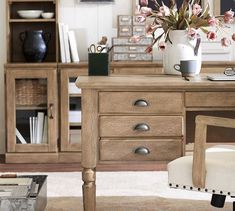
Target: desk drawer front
140, 150
141, 102
210, 99
140, 126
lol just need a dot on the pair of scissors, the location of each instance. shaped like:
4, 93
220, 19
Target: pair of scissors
98, 49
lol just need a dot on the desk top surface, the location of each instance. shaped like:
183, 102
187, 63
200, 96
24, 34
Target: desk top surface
160, 82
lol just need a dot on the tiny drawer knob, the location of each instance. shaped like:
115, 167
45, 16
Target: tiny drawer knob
142, 127
142, 151
141, 103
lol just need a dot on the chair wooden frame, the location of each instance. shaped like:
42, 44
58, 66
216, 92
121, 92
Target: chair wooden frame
199, 164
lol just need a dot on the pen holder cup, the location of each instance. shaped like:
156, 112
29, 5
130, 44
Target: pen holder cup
98, 64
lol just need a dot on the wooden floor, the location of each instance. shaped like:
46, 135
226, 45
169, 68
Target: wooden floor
65, 167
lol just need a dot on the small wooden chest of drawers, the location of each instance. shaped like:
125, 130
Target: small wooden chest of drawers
124, 49
140, 126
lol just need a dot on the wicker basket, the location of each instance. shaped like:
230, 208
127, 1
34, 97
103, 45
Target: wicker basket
31, 92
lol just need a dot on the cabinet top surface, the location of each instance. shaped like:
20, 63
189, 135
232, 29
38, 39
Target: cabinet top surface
152, 82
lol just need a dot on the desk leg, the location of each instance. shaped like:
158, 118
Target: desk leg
89, 189
89, 147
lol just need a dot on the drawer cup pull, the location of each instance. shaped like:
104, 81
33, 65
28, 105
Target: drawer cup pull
141, 103
142, 151
142, 127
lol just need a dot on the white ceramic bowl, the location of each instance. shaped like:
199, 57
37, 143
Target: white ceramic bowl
47, 14
29, 13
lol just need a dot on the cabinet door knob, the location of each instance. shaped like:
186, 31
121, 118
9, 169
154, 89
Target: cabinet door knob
142, 127
142, 151
51, 106
141, 103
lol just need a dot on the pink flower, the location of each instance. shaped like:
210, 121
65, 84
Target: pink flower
144, 3
162, 45
211, 35
192, 33
164, 10
197, 9
225, 42
135, 39
146, 11
228, 16
213, 21
149, 49
151, 28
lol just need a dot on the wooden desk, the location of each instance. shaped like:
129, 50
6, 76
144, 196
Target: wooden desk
141, 119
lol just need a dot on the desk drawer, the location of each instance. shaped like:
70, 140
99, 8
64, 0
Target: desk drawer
140, 126
210, 99
140, 150
141, 102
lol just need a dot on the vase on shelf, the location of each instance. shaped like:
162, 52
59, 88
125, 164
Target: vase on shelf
35, 45
181, 48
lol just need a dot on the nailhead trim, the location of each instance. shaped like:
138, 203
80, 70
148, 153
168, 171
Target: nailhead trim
198, 189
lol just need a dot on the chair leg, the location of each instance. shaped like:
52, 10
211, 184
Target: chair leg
218, 200
234, 206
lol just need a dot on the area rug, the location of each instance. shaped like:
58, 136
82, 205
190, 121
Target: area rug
128, 203
124, 191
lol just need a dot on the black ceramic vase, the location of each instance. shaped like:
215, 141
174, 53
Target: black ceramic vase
35, 45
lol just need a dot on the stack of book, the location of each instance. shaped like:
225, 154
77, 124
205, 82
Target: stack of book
68, 44
37, 130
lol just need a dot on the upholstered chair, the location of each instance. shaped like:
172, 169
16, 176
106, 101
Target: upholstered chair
211, 170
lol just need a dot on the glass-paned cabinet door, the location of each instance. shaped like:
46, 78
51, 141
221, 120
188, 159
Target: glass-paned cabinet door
31, 110
71, 119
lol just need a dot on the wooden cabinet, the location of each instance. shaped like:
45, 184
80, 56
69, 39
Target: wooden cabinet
32, 113
17, 25
70, 112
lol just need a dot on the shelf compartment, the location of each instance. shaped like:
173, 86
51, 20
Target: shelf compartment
46, 6
23, 126
16, 47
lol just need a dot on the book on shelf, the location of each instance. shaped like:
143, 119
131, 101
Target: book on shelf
73, 46
31, 129
75, 116
20, 137
65, 30
38, 128
61, 39
45, 126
